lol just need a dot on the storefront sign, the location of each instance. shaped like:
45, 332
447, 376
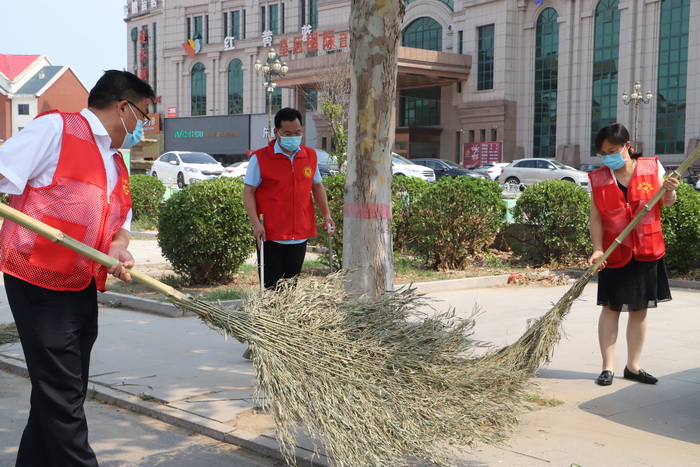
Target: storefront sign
172, 112
215, 134
308, 42
482, 153
153, 125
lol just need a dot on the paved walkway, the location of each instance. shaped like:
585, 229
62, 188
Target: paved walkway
181, 372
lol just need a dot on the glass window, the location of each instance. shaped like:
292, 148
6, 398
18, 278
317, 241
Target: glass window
22, 109
199, 90
274, 18
423, 33
311, 99
276, 100
605, 59
236, 25
673, 66
546, 73
235, 87
420, 107
485, 54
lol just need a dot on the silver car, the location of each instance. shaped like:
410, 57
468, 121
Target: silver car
533, 170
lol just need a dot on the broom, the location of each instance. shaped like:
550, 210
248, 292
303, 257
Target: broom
369, 378
534, 348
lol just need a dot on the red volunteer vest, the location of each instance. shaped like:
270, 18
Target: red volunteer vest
284, 196
77, 204
646, 240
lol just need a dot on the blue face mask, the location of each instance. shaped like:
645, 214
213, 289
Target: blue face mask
614, 161
135, 136
290, 143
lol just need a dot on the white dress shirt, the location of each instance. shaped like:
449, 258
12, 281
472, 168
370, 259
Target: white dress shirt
31, 156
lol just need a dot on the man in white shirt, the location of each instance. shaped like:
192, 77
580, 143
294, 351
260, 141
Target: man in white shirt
64, 170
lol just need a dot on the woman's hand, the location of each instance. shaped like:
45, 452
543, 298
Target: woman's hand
594, 257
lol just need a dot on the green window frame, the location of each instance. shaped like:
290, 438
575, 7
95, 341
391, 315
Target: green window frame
606, 52
423, 33
546, 74
484, 72
235, 87
276, 100
673, 76
198, 89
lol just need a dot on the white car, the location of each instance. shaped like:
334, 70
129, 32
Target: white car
533, 170
492, 169
183, 168
236, 170
400, 166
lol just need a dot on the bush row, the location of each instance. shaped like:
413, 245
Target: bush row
204, 231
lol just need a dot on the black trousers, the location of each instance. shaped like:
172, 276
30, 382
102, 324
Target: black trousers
281, 261
57, 330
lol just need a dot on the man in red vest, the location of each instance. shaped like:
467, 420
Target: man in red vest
279, 182
64, 169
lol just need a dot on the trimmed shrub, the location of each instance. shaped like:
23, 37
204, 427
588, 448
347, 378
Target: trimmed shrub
455, 219
335, 192
147, 196
556, 215
405, 192
681, 227
204, 231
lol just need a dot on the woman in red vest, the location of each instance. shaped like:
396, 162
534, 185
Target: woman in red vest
633, 278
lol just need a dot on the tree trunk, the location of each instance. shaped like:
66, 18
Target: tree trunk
367, 254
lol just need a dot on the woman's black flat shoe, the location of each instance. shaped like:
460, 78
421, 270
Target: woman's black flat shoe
642, 376
605, 378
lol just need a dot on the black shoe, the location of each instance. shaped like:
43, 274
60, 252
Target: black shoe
642, 376
605, 378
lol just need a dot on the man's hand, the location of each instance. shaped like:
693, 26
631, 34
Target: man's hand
328, 224
126, 262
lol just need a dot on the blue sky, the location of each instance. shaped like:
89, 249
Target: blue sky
88, 35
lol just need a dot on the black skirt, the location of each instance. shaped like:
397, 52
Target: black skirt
637, 285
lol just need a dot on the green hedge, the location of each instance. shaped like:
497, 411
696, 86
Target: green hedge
455, 219
681, 227
556, 213
204, 231
147, 197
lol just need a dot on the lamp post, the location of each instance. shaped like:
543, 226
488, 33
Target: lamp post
636, 97
270, 69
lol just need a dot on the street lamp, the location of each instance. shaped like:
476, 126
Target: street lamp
636, 97
270, 69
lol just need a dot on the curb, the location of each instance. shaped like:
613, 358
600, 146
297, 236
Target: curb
155, 307
677, 283
222, 432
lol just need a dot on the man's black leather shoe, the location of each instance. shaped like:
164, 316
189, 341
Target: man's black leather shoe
605, 378
642, 376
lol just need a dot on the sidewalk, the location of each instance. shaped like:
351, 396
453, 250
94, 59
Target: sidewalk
181, 372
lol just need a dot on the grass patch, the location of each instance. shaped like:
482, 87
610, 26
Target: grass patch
541, 401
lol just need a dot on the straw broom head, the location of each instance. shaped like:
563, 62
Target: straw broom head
371, 378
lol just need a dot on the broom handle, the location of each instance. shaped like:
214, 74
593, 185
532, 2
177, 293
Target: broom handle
647, 207
59, 237
262, 257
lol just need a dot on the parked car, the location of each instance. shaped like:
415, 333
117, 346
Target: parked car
327, 164
400, 166
236, 170
445, 168
493, 169
589, 167
183, 167
533, 170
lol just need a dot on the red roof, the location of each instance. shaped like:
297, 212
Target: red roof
13, 65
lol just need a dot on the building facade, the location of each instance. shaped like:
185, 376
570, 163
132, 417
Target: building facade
477, 79
30, 85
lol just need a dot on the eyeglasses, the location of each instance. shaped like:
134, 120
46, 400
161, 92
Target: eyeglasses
146, 119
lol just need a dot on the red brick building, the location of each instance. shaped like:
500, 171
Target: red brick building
29, 85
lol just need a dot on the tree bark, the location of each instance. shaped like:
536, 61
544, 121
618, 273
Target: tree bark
374, 32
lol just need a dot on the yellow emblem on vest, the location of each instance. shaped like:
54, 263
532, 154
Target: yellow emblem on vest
308, 173
646, 187
125, 187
